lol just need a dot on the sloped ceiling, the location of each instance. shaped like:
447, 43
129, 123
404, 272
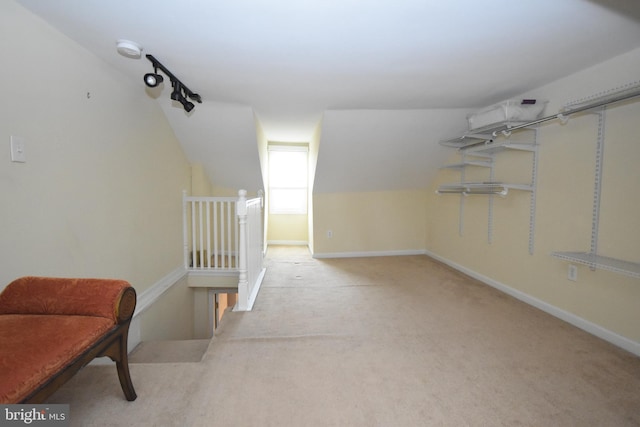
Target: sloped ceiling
367, 150
356, 62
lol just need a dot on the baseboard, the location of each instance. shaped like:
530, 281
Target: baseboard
368, 254
590, 327
256, 289
288, 243
248, 306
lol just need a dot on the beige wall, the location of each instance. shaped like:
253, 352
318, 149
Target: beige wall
264, 155
314, 148
288, 229
564, 209
100, 193
387, 221
200, 184
263, 152
171, 317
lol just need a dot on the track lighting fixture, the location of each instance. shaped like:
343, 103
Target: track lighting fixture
180, 91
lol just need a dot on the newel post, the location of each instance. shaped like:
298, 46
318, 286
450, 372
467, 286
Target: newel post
241, 211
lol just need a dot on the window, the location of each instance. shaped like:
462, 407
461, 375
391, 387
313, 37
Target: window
288, 179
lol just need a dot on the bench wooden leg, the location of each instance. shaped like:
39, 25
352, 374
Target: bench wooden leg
117, 352
123, 371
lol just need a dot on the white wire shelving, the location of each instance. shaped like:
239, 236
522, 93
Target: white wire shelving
592, 258
480, 151
481, 143
626, 268
488, 187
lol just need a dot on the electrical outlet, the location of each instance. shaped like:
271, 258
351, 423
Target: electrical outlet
573, 273
329, 234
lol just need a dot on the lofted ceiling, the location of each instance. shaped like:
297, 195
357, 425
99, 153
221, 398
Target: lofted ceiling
288, 64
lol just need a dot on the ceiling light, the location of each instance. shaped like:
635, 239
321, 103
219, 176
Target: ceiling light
129, 49
153, 79
180, 91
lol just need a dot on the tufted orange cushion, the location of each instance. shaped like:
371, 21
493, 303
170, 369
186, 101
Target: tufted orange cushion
51, 295
34, 347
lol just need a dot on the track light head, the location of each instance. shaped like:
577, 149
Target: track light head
188, 106
153, 79
195, 97
177, 95
177, 91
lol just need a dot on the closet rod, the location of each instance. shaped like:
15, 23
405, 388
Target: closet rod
606, 100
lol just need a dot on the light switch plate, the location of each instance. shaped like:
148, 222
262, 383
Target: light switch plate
18, 149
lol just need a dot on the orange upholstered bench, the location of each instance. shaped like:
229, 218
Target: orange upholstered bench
50, 328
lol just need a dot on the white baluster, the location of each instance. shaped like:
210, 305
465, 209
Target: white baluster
208, 252
215, 234
185, 233
230, 236
193, 233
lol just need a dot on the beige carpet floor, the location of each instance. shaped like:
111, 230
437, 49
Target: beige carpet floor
387, 341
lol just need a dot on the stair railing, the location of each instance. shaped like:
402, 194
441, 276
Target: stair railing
225, 234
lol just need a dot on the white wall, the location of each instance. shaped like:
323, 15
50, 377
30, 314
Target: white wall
100, 193
227, 144
382, 150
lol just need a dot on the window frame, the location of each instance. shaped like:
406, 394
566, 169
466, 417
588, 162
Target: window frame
303, 209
